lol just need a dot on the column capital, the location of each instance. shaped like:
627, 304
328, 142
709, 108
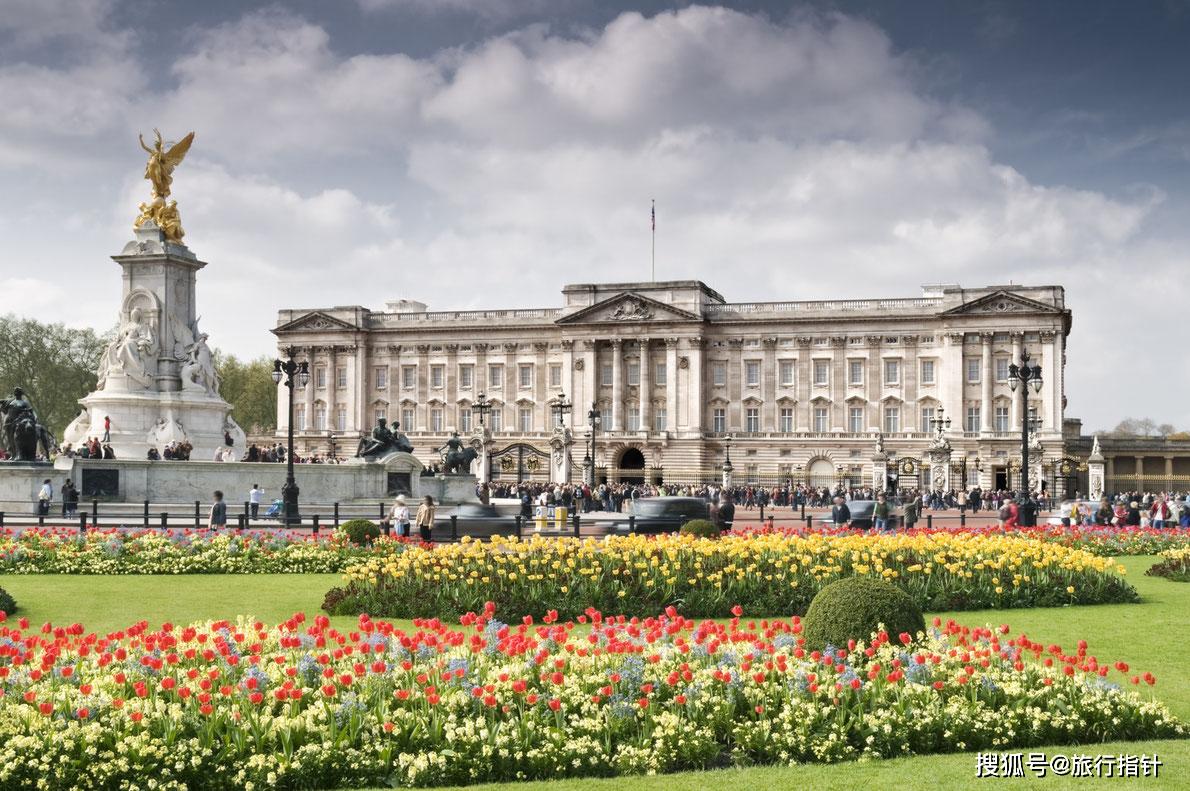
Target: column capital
1017, 336
567, 345
511, 347
909, 340
1047, 336
955, 338
540, 346
423, 348
986, 337
617, 343
769, 343
590, 345
671, 343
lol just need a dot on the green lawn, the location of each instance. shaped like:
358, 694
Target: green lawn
1147, 635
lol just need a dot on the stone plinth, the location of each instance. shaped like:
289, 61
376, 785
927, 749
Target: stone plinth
449, 489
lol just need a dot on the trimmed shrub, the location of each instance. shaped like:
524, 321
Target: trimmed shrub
8, 604
703, 528
853, 608
360, 532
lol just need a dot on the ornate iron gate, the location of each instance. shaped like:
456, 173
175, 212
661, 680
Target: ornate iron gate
521, 460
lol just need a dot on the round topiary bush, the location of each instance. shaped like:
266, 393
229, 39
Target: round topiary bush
853, 608
360, 531
8, 605
703, 528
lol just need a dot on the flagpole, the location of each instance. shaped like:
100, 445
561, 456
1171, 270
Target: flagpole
653, 265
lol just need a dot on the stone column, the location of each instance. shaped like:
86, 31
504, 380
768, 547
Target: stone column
1169, 473
805, 382
873, 376
450, 388
332, 390
1096, 481
645, 390
1014, 410
768, 385
879, 470
560, 456
951, 377
311, 386
910, 413
617, 385
671, 384
696, 399
838, 389
590, 363
985, 404
511, 386
1140, 472
568, 380
479, 381
543, 418
358, 416
422, 392
1050, 410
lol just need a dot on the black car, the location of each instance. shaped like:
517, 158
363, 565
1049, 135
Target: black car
662, 514
862, 510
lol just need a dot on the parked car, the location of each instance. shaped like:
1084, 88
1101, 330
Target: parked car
862, 510
662, 514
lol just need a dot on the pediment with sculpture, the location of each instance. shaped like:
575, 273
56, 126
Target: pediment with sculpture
627, 308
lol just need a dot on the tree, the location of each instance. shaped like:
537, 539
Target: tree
1144, 427
53, 363
248, 387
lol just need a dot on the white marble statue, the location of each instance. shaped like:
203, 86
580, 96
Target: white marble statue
131, 353
198, 372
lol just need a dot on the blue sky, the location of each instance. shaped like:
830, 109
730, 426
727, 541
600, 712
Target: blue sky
484, 152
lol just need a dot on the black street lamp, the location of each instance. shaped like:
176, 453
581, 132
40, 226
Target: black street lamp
939, 422
295, 375
330, 438
561, 408
594, 420
1026, 375
482, 405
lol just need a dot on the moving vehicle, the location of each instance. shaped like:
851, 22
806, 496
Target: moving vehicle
662, 514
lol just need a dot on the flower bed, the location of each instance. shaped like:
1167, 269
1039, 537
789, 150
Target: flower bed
1174, 565
183, 552
243, 705
1104, 540
769, 574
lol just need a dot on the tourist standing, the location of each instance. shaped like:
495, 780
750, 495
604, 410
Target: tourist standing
425, 517
44, 497
107, 428
840, 513
399, 515
880, 513
217, 520
254, 498
67, 487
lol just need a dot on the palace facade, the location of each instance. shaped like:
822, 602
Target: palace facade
793, 390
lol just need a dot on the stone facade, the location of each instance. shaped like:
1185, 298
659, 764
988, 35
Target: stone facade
802, 388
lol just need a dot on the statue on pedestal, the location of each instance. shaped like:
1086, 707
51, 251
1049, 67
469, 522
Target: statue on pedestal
198, 369
22, 431
131, 353
383, 441
159, 172
456, 457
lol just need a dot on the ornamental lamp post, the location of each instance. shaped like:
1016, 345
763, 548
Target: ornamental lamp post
940, 422
482, 405
294, 374
561, 408
1024, 376
727, 467
594, 420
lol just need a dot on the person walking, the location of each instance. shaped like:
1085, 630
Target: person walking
107, 429
425, 518
254, 498
880, 512
840, 513
399, 515
44, 497
66, 487
217, 520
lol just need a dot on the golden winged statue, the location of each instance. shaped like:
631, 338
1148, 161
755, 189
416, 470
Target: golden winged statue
159, 172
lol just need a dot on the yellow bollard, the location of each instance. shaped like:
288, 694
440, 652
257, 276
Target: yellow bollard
542, 522
560, 518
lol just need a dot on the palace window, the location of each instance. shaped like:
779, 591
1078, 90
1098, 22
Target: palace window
973, 366
820, 419
785, 420
436, 377
892, 419
752, 420
892, 372
606, 377
972, 419
299, 417
497, 418
821, 372
341, 418
341, 377
1001, 369
320, 418
633, 373
466, 376
633, 418
661, 374
407, 421
719, 374
555, 375
719, 420
436, 420
465, 420
786, 373
495, 377
855, 372
320, 377
855, 419
525, 376
380, 377
525, 418
927, 372
752, 373
1001, 418
659, 419
378, 413
408, 377
927, 414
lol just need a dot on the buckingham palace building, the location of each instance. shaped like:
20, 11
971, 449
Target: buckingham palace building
794, 391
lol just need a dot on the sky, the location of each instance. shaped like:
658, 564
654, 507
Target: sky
482, 153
